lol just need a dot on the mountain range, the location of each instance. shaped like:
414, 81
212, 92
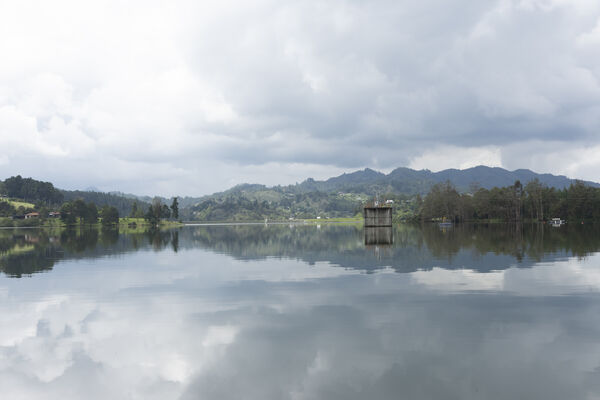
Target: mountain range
343, 195
339, 196
411, 182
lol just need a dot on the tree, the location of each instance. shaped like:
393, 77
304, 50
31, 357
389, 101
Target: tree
90, 215
6, 209
110, 216
443, 201
535, 191
66, 213
175, 208
517, 194
134, 210
155, 212
165, 211
79, 209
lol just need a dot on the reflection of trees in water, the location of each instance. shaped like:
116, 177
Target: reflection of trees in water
79, 240
260, 241
109, 236
159, 239
175, 239
479, 247
24, 252
520, 241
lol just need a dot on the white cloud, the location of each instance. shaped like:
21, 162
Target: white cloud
571, 159
444, 157
183, 97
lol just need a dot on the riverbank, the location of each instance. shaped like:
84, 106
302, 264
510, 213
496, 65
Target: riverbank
350, 220
124, 223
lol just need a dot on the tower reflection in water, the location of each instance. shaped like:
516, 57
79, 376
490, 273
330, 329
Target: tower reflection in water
379, 235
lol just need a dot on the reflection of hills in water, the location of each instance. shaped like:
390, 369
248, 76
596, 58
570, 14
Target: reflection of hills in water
478, 247
28, 251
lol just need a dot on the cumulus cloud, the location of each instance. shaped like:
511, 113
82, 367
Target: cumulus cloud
148, 97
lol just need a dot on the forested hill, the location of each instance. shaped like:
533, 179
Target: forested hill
340, 196
406, 181
44, 193
121, 203
344, 195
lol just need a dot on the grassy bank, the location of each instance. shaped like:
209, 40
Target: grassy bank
345, 220
18, 203
130, 224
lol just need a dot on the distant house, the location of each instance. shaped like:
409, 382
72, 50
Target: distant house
54, 214
389, 202
32, 215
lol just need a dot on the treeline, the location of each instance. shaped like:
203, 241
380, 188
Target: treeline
121, 203
79, 212
45, 194
31, 190
83, 213
534, 202
158, 211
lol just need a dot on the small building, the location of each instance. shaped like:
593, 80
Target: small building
54, 214
32, 215
377, 216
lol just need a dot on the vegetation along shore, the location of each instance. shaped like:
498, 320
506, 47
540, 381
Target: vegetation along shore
539, 197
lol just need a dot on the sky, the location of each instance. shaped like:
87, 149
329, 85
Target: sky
192, 97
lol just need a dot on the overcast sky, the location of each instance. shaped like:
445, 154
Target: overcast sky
186, 98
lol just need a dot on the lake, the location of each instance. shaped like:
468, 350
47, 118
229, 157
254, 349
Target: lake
301, 312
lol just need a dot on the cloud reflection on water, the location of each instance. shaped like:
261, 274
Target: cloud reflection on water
199, 324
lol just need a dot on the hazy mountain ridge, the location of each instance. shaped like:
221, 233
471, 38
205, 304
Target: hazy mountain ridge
409, 181
419, 181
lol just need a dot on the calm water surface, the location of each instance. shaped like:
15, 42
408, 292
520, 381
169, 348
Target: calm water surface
301, 312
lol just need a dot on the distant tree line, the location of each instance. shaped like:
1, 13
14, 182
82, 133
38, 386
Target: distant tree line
121, 203
45, 194
79, 211
76, 207
31, 190
534, 201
